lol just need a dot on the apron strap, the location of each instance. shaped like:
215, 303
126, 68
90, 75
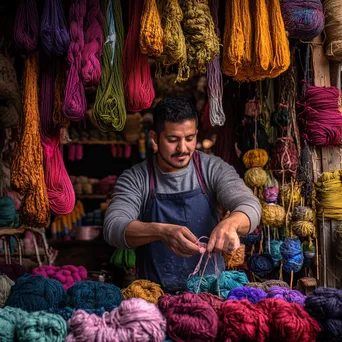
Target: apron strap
198, 169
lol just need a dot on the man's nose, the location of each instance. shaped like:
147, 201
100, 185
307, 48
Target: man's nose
181, 146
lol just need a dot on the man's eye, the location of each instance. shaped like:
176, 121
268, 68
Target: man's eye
172, 141
190, 139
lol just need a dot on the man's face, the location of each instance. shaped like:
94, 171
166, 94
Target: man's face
176, 144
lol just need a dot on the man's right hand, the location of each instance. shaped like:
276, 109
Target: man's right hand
179, 239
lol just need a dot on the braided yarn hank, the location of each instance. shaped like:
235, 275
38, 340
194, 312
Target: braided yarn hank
5, 288
93, 42
290, 296
74, 105
303, 19
26, 29
144, 289
138, 86
174, 48
109, 109
151, 31
53, 29
254, 295
320, 118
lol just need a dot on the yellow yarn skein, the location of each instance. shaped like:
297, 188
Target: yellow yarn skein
286, 192
255, 158
144, 289
303, 213
303, 228
235, 258
255, 177
273, 215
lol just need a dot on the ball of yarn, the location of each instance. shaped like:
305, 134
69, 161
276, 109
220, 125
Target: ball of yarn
250, 239
303, 228
254, 295
293, 256
280, 117
242, 321
255, 177
35, 293
94, 295
189, 318
198, 284
214, 301
41, 326
303, 20
289, 321
270, 194
235, 258
290, 193
9, 318
227, 281
67, 274
290, 296
255, 158
136, 319
273, 215
5, 288
260, 264
144, 289
302, 213
8, 213
275, 252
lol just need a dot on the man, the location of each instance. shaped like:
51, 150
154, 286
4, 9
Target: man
162, 207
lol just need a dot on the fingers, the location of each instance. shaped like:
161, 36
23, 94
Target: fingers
189, 235
211, 243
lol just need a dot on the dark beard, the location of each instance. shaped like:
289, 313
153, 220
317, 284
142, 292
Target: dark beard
171, 164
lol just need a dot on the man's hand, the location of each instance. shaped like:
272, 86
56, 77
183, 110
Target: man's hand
180, 240
225, 236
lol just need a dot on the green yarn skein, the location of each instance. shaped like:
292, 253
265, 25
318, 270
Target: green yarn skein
123, 258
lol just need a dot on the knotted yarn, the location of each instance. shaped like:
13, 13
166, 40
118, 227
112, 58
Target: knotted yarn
292, 254
255, 177
255, 158
8, 213
75, 105
289, 321
53, 29
267, 284
273, 215
67, 274
138, 86
144, 289
93, 42
240, 320
5, 288
9, 319
303, 20
254, 295
189, 318
303, 213
320, 119
26, 26
36, 293
151, 31
214, 301
93, 295
227, 281
260, 264
290, 296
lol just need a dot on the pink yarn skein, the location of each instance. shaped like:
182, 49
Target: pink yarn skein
68, 275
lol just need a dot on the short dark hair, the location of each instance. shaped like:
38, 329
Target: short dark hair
173, 109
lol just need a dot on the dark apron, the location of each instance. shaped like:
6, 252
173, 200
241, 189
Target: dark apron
194, 209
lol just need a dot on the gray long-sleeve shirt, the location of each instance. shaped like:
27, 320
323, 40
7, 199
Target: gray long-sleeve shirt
132, 189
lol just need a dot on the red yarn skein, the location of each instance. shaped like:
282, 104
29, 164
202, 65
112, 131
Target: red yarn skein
214, 301
240, 320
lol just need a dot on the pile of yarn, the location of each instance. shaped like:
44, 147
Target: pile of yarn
292, 254
135, 319
5, 288
144, 289
325, 305
68, 275
303, 221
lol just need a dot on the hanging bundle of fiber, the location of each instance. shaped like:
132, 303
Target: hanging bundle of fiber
329, 194
138, 86
75, 104
320, 119
304, 20
26, 28
201, 40
214, 76
151, 31
53, 29
27, 175
109, 108
93, 41
174, 48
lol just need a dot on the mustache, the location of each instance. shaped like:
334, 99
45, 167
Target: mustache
180, 154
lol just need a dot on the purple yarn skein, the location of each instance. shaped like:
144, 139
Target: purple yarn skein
254, 295
290, 296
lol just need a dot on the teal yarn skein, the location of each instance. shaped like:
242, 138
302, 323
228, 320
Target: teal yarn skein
93, 295
197, 285
275, 252
227, 281
9, 317
36, 293
8, 214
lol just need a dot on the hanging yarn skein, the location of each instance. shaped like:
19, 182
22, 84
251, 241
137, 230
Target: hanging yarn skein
109, 108
320, 119
292, 254
138, 86
75, 105
93, 42
304, 20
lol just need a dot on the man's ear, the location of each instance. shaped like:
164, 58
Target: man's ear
154, 140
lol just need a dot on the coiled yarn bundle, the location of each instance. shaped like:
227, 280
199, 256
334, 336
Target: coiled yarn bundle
290, 296
254, 295
144, 289
227, 281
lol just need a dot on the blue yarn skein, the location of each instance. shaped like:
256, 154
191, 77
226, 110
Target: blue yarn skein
260, 264
205, 286
93, 295
293, 256
36, 293
250, 239
8, 214
227, 281
275, 252
252, 294
9, 317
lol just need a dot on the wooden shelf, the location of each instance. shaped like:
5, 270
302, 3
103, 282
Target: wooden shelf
11, 231
99, 142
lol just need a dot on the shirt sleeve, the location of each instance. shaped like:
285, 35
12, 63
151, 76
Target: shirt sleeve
125, 207
231, 191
